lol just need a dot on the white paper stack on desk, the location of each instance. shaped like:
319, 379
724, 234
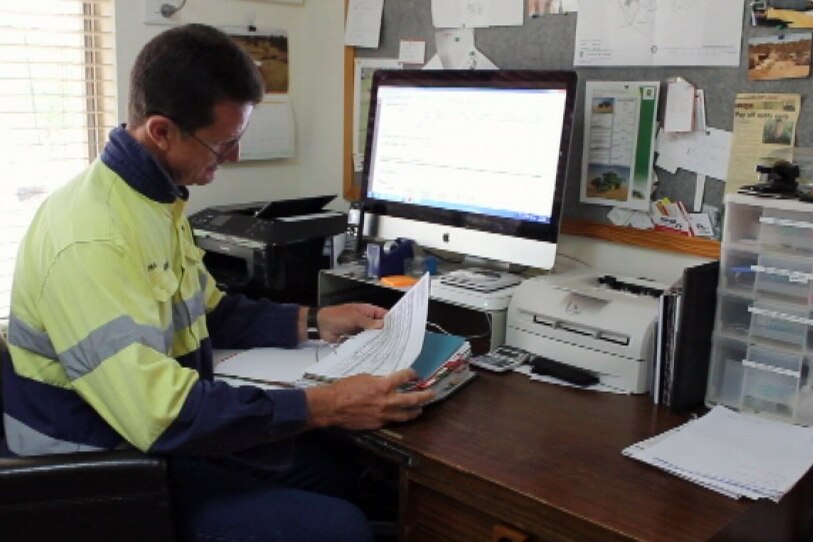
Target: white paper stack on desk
734, 453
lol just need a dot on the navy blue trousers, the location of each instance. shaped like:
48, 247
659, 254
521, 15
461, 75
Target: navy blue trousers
308, 489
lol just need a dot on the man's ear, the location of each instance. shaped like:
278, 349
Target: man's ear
160, 131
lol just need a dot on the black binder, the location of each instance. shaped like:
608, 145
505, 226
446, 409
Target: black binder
695, 327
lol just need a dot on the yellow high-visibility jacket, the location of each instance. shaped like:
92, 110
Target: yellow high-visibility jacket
113, 321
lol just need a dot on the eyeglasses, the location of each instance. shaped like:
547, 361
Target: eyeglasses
226, 148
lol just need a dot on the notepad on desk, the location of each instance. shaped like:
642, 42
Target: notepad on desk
267, 367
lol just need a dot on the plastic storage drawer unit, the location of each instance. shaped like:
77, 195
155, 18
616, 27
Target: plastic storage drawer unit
763, 338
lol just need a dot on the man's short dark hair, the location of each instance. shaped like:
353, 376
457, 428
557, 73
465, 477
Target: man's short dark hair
183, 72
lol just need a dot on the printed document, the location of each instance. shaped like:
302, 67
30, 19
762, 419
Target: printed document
476, 13
619, 142
659, 33
374, 351
735, 453
764, 124
382, 351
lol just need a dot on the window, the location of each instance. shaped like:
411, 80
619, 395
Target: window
57, 104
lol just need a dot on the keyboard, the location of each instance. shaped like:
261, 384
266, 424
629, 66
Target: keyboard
480, 280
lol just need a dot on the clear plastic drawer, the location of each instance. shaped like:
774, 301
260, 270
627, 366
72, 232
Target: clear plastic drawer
786, 231
726, 371
784, 278
734, 316
780, 324
742, 224
738, 272
772, 381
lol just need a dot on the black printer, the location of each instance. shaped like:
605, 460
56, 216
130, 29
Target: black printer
273, 250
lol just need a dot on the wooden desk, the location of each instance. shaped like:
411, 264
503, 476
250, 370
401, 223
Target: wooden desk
509, 459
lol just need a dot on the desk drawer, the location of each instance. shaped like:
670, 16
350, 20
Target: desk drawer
430, 517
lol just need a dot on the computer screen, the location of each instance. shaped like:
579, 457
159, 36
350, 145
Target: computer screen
472, 162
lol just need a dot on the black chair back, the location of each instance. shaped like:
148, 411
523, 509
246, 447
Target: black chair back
5, 357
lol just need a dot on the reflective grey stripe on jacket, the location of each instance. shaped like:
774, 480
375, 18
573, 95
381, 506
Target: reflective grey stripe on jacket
22, 440
108, 339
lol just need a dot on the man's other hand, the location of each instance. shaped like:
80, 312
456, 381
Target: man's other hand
348, 319
365, 402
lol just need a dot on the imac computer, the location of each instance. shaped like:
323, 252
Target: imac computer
472, 162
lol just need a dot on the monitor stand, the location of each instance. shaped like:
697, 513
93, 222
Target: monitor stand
475, 262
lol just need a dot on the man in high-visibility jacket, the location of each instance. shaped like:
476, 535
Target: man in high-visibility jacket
114, 317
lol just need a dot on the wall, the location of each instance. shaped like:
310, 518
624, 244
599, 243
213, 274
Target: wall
315, 35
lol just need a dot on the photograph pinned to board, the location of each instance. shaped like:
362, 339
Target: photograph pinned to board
538, 8
271, 132
784, 56
619, 143
362, 86
790, 16
269, 50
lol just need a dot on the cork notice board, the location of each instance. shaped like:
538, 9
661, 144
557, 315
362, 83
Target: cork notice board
548, 43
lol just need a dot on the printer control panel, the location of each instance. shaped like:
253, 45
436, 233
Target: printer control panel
235, 225
250, 229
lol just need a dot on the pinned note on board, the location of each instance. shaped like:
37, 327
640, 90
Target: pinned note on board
412, 52
699, 110
706, 152
363, 23
680, 106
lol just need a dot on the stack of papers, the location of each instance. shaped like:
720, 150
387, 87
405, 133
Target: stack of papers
733, 453
440, 361
382, 351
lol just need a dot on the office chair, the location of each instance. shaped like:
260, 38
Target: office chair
83, 496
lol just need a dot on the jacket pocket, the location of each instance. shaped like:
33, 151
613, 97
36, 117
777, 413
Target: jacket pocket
164, 284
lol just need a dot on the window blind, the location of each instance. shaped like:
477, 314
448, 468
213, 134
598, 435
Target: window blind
57, 105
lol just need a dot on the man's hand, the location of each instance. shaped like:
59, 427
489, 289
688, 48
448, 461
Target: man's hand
364, 401
348, 319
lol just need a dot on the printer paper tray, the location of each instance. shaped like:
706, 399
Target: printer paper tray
614, 370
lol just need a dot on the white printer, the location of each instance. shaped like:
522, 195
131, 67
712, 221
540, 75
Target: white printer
598, 322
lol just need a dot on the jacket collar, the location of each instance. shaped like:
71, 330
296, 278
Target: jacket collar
139, 169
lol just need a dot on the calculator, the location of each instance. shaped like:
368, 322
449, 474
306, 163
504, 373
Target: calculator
501, 359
